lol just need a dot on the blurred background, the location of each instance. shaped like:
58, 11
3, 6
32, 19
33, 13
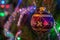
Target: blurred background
53, 6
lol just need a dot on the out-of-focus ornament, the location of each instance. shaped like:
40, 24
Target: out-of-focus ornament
42, 22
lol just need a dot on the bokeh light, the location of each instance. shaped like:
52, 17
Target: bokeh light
7, 5
2, 6
2, 14
18, 38
2, 2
